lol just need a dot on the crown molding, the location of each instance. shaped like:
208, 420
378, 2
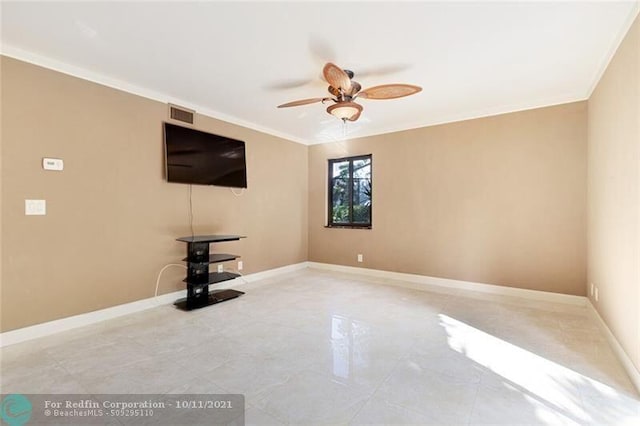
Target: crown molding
104, 80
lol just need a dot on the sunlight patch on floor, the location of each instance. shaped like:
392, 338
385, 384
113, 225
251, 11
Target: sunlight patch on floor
546, 384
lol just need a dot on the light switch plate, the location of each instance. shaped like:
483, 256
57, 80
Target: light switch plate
35, 207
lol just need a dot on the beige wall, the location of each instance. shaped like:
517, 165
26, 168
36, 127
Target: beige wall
111, 218
497, 200
614, 194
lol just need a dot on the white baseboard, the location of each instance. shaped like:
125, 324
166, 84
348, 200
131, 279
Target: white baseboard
274, 272
423, 282
419, 282
51, 327
631, 370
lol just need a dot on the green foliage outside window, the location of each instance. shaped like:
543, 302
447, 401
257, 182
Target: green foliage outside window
350, 191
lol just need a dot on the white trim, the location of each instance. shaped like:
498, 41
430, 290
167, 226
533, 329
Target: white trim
95, 77
613, 49
271, 273
45, 329
631, 370
418, 282
98, 78
423, 281
486, 112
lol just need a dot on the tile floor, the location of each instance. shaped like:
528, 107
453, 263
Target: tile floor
329, 348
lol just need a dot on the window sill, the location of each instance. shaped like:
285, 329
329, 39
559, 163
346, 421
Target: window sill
349, 226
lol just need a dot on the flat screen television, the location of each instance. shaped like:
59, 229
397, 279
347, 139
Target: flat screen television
203, 158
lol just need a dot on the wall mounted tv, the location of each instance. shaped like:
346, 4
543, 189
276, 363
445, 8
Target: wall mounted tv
203, 158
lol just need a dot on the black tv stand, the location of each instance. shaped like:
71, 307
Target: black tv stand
198, 276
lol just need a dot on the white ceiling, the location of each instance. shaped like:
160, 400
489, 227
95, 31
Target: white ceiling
231, 60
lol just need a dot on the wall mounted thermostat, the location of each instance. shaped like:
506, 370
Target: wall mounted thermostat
52, 164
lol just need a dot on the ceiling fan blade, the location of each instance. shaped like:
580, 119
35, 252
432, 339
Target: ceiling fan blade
302, 102
389, 91
336, 77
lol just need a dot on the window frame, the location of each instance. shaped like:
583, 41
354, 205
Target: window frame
350, 224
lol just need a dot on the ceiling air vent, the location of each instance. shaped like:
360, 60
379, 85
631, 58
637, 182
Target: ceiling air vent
181, 114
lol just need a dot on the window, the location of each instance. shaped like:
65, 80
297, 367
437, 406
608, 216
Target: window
350, 192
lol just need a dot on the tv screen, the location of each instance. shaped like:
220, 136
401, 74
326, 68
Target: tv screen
203, 158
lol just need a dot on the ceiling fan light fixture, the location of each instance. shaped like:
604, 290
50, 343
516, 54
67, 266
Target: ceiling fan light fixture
345, 110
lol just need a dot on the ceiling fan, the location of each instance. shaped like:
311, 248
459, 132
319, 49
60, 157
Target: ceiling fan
345, 91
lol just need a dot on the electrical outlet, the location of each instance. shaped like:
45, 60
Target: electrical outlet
591, 289
220, 268
596, 294
240, 265
360, 258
